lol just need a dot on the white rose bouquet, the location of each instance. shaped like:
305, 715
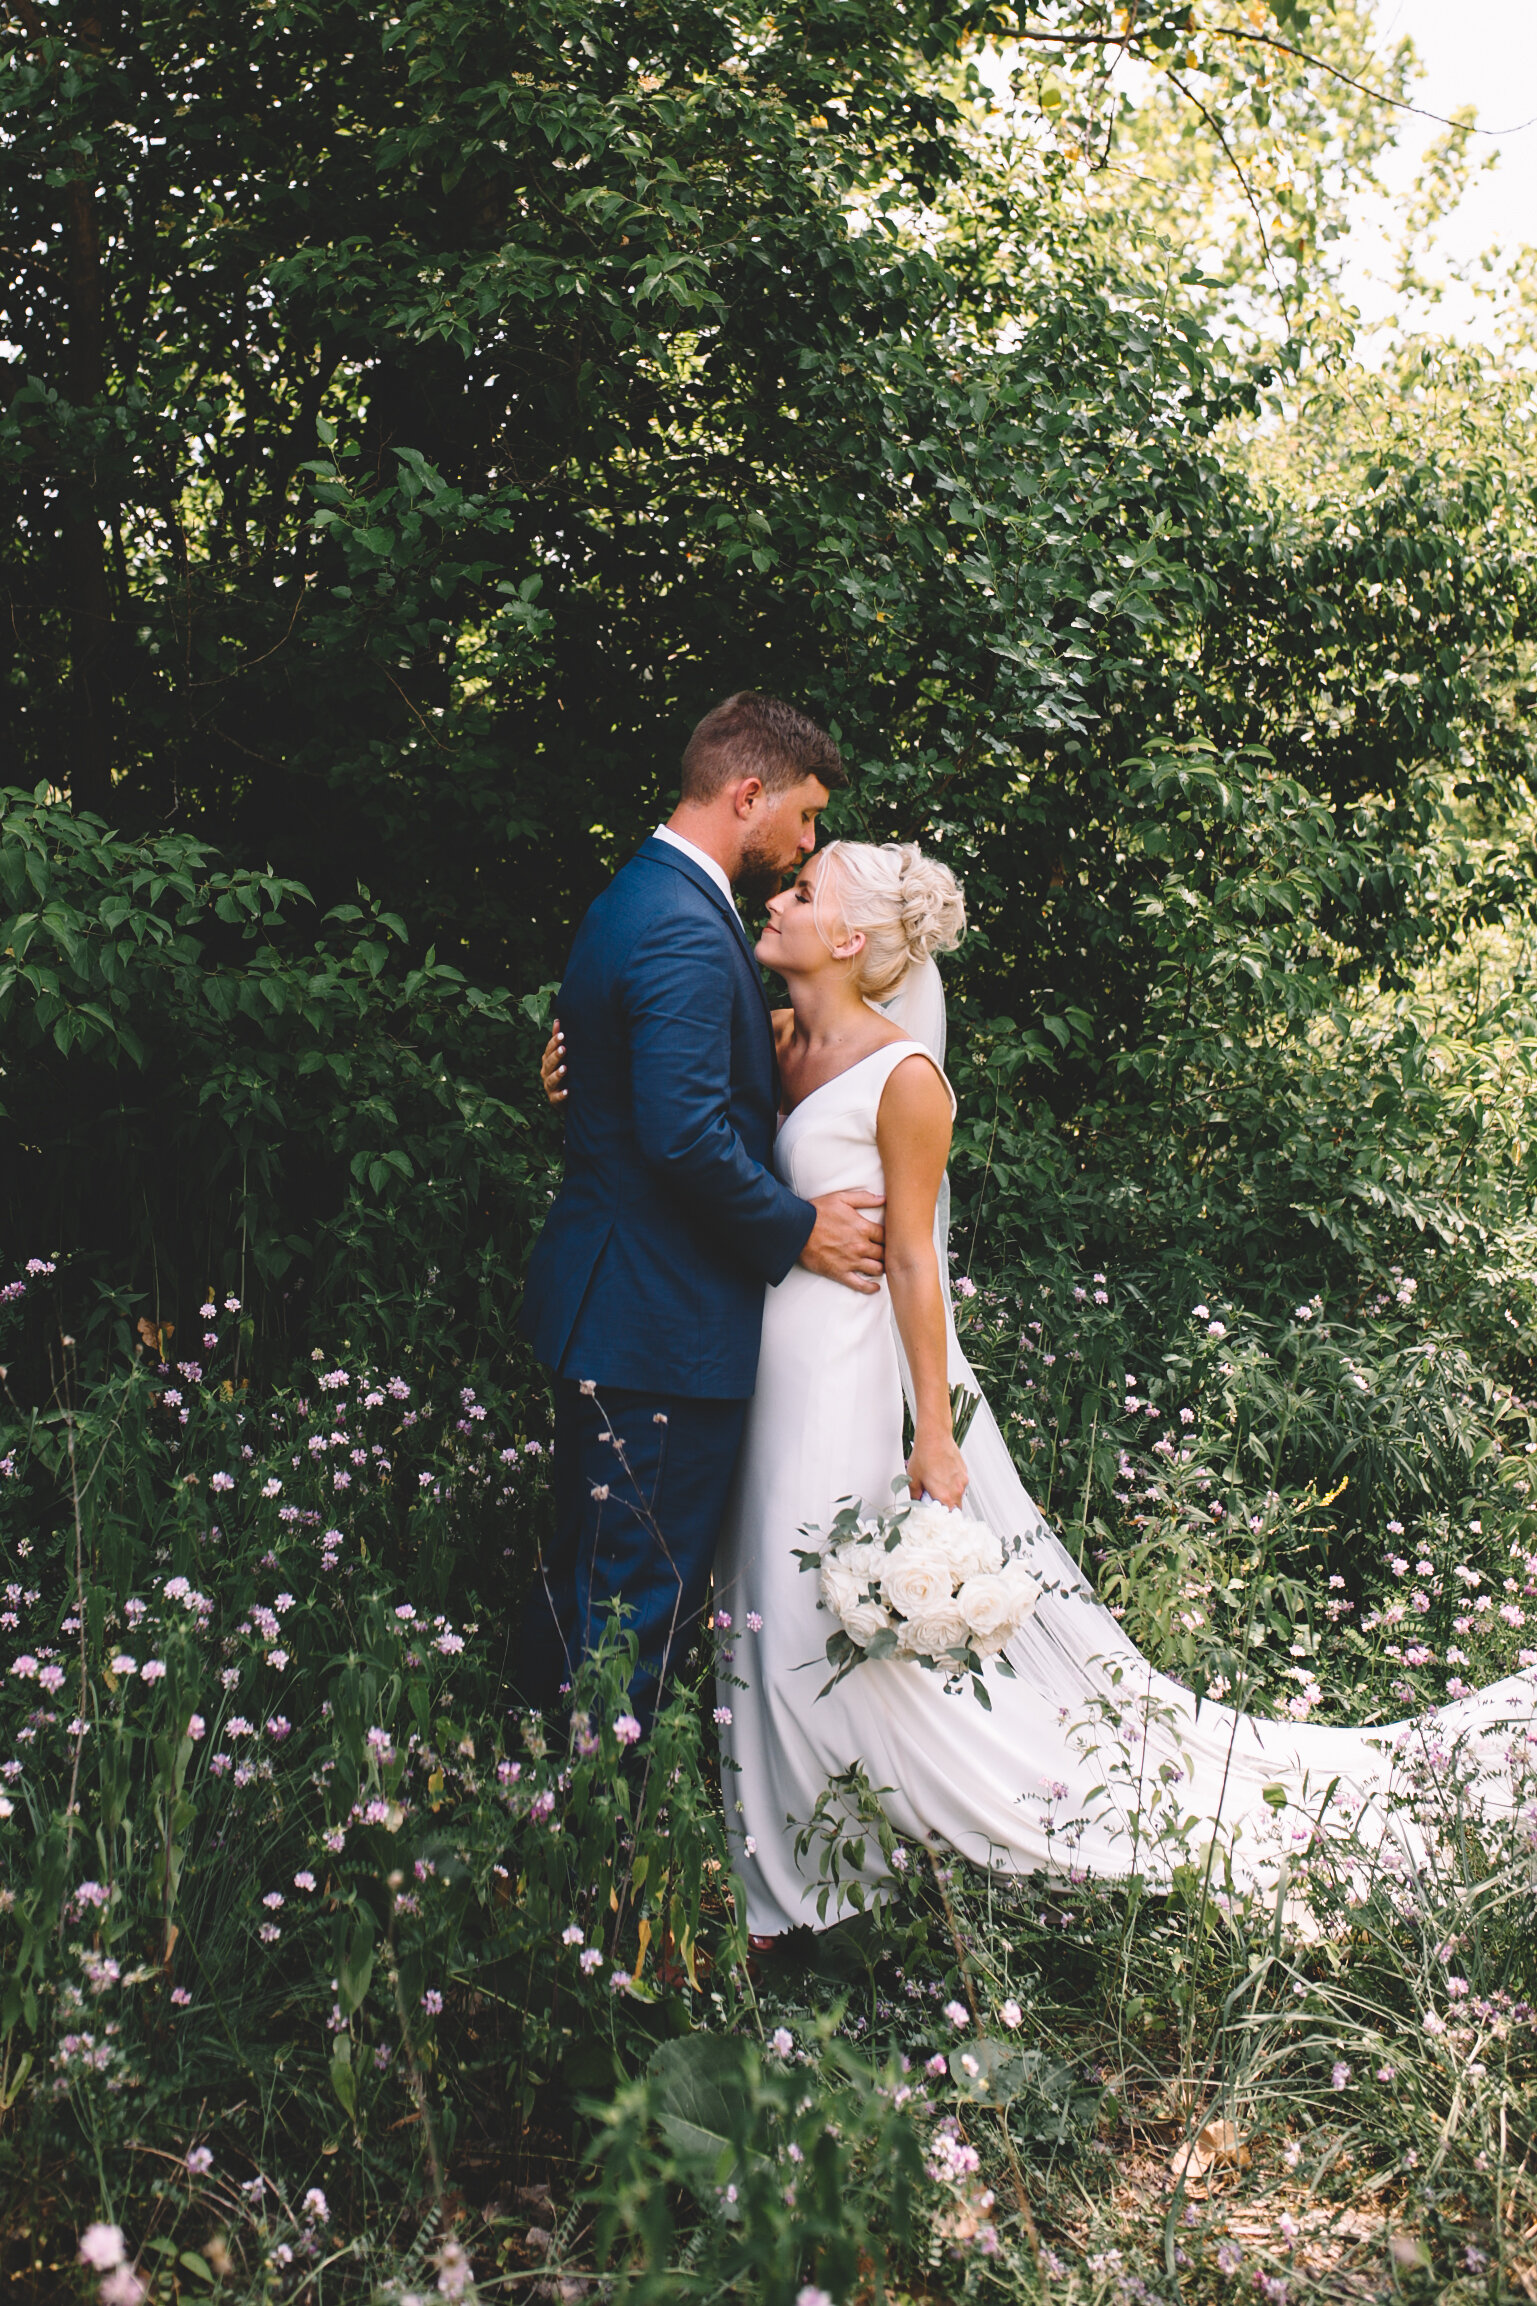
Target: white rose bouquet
920, 1581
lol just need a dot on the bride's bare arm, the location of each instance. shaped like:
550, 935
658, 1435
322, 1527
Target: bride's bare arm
912, 1131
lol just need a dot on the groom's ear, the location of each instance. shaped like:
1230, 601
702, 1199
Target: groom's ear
746, 795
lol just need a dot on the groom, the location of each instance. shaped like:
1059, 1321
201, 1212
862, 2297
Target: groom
645, 1289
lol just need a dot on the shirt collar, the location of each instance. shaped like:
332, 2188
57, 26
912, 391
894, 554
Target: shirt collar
706, 864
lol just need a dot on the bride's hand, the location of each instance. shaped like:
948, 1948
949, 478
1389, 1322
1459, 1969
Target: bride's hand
938, 1468
552, 1065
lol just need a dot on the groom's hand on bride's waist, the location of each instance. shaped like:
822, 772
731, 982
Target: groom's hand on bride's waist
848, 1240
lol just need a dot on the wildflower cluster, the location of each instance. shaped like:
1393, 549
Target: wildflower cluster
1255, 1587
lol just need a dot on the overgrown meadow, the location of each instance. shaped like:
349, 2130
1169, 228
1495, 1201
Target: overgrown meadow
413, 417
328, 1976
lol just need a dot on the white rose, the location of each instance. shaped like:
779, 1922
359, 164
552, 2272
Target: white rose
839, 1587
990, 1605
1025, 1588
867, 1561
864, 1621
934, 1631
844, 1591
1026, 1593
972, 1548
915, 1580
923, 1521
969, 1547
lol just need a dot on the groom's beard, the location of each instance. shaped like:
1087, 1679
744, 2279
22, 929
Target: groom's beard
760, 874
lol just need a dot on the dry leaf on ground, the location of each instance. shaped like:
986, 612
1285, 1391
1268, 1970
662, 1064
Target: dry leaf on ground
1217, 2146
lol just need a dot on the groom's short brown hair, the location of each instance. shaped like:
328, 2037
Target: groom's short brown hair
753, 736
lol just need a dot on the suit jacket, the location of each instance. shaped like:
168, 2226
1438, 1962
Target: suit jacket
651, 1267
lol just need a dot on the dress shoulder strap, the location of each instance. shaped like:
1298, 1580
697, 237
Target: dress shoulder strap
882, 1063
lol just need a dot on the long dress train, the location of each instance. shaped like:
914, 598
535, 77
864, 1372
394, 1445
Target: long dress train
1090, 1761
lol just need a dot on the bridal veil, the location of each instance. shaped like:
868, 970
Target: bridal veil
1177, 1783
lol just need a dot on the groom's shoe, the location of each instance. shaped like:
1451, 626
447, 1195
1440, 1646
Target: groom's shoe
781, 1958
758, 1952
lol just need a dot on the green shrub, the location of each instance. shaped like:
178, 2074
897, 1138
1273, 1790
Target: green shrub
209, 1089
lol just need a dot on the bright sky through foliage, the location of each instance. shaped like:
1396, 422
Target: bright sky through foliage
1484, 53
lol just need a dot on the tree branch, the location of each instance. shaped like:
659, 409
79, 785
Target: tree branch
1126, 40
1216, 128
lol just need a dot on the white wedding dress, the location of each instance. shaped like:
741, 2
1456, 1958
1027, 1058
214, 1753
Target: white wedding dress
1089, 1762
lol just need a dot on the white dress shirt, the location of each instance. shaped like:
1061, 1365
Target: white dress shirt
716, 872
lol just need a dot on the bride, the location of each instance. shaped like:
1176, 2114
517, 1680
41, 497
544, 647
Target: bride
1089, 1760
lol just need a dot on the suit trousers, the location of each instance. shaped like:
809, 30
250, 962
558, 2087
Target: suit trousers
641, 1483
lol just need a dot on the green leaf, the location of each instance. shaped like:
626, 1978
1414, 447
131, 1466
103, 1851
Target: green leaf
344, 2081
358, 1968
1002, 2070
698, 2086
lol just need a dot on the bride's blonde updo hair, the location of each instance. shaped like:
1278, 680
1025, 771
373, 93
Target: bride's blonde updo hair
907, 905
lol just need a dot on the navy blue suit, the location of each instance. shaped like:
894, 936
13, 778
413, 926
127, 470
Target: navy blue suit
647, 1281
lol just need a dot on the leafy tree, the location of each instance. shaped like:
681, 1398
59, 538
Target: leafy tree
206, 1087
1251, 144
418, 418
